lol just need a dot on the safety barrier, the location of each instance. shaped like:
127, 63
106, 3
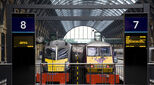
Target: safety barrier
77, 73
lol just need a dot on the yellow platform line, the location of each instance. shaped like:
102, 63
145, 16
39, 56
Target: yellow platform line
77, 72
77, 79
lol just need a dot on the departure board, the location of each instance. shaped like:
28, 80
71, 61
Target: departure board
23, 41
136, 41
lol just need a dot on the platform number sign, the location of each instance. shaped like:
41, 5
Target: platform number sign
23, 23
136, 48
23, 49
136, 24
136, 30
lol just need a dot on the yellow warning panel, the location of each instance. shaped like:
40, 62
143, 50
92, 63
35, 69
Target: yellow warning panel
136, 41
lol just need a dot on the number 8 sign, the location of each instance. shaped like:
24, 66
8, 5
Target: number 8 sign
23, 23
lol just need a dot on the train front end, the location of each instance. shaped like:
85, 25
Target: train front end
99, 58
100, 65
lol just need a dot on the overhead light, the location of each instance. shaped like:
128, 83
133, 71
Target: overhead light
134, 1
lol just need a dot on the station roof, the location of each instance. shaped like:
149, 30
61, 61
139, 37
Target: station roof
98, 25
105, 26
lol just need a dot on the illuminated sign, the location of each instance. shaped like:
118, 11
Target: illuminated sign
135, 41
136, 29
136, 24
136, 48
23, 23
23, 48
23, 41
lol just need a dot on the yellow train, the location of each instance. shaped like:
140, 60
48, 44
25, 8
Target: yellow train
99, 57
57, 56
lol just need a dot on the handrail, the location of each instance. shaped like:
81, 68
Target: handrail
77, 63
150, 63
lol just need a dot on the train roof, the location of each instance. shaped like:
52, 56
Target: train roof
59, 43
98, 44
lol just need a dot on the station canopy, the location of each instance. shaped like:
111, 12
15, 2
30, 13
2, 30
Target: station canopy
98, 25
53, 29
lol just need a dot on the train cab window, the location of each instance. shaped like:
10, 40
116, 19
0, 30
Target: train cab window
92, 51
62, 53
51, 53
105, 51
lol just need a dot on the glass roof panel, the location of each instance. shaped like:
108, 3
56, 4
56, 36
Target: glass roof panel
99, 25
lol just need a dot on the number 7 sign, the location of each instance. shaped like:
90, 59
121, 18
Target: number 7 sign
136, 23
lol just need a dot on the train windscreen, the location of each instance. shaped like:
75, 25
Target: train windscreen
62, 53
105, 51
99, 51
92, 51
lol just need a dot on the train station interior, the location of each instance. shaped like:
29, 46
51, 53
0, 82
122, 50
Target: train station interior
107, 42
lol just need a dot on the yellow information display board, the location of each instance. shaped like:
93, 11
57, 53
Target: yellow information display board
23, 41
136, 41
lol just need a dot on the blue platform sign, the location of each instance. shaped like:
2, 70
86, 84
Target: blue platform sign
136, 23
136, 49
23, 23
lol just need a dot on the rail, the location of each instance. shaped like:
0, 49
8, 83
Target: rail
150, 63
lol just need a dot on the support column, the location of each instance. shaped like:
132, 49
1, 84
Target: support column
1, 29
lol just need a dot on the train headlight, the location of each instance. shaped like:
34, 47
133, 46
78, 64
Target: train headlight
92, 66
107, 66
